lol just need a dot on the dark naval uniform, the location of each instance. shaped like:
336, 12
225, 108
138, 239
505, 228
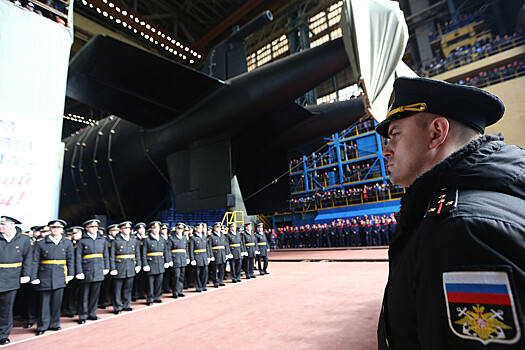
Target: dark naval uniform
124, 259
237, 249
457, 269
250, 242
220, 249
156, 256
91, 260
52, 265
15, 262
262, 245
199, 253
180, 257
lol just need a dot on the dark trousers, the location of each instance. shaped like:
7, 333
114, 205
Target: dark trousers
189, 277
235, 267
7, 300
27, 300
88, 303
264, 260
154, 287
139, 283
354, 241
105, 291
50, 305
178, 280
166, 282
248, 266
217, 273
70, 299
122, 288
201, 277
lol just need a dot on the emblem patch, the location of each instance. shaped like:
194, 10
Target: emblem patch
481, 307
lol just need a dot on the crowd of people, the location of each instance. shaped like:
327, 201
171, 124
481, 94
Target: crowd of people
467, 54
452, 25
502, 73
353, 195
356, 232
47, 8
54, 270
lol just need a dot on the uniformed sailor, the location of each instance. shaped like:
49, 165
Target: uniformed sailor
250, 242
53, 268
125, 261
263, 247
237, 251
15, 269
167, 279
200, 257
220, 249
180, 257
156, 258
139, 282
106, 289
92, 264
70, 298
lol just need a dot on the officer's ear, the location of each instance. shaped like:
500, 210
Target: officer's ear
438, 129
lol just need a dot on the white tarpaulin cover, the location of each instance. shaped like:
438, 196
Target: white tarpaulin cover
375, 35
34, 57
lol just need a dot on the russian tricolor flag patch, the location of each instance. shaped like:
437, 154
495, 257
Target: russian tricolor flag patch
481, 307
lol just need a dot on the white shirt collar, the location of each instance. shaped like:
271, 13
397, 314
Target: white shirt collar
124, 237
93, 237
155, 237
9, 238
55, 240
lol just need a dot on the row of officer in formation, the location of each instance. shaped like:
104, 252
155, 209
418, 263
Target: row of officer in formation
81, 260
357, 232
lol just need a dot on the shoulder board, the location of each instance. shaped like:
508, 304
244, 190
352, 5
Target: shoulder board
442, 203
25, 234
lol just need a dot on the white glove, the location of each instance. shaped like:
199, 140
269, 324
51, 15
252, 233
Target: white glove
37, 281
113, 273
268, 249
171, 263
187, 261
212, 258
257, 252
209, 259
244, 254
69, 278
230, 256
137, 269
105, 271
193, 262
24, 279
146, 268
80, 276
166, 265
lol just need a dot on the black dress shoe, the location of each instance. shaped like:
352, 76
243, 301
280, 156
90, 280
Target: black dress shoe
149, 303
222, 284
181, 295
93, 318
198, 290
204, 289
234, 281
28, 325
4, 341
128, 309
133, 299
81, 321
158, 301
239, 280
253, 276
175, 296
247, 277
216, 285
71, 315
55, 329
118, 312
40, 332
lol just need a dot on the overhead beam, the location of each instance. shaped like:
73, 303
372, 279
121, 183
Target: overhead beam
228, 22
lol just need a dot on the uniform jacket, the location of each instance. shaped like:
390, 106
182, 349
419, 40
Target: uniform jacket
52, 263
15, 260
179, 250
155, 254
199, 249
124, 256
262, 243
220, 248
92, 258
250, 241
236, 244
478, 228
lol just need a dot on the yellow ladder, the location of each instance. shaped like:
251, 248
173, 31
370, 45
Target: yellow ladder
236, 217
